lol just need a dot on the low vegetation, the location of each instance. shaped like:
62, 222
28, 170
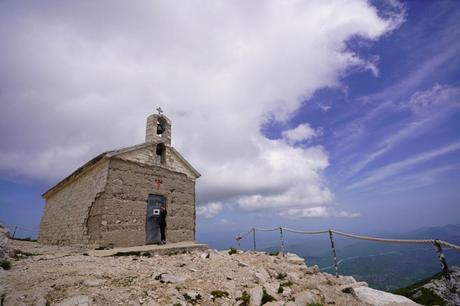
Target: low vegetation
5, 264
219, 294
232, 251
427, 297
245, 299
267, 297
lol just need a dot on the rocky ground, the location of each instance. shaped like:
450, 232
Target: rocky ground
46, 275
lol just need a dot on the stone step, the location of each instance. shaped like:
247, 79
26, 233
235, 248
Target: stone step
151, 249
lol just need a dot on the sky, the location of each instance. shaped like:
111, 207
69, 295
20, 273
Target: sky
304, 114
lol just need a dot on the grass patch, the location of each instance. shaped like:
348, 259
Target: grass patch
273, 253
5, 264
219, 294
232, 251
245, 298
267, 297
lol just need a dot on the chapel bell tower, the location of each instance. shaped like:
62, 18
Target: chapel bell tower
158, 128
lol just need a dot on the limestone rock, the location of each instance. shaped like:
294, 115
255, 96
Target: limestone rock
93, 282
170, 278
294, 259
6, 250
380, 298
348, 287
305, 298
261, 276
76, 300
274, 303
256, 296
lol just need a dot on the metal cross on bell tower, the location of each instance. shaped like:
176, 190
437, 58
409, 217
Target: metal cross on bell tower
159, 110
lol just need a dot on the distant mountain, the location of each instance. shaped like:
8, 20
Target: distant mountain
432, 290
384, 266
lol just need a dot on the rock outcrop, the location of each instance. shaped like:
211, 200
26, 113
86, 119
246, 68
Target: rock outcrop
6, 251
56, 276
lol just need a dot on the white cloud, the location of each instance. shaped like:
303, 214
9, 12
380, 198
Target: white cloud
218, 69
302, 132
209, 211
317, 212
429, 108
392, 169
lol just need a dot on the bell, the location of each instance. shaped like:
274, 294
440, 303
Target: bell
160, 129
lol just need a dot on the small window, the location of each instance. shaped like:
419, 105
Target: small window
161, 153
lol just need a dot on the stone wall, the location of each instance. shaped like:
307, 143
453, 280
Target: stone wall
118, 216
66, 211
148, 156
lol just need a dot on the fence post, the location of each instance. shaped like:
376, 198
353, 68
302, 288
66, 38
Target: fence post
446, 273
14, 232
282, 240
254, 237
334, 255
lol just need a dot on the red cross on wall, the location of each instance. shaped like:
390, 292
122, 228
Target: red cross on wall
158, 182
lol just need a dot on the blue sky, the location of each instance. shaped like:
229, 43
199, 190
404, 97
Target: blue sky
309, 116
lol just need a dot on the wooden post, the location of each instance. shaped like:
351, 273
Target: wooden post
282, 240
238, 238
14, 232
446, 273
254, 237
334, 255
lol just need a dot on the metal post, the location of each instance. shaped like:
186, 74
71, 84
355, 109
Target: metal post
334, 256
446, 273
282, 240
254, 237
14, 232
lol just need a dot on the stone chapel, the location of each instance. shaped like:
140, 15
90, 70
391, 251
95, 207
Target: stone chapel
114, 199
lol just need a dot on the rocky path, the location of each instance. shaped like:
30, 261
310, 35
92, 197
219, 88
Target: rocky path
45, 275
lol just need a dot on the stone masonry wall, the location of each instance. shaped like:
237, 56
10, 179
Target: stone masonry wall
147, 156
66, 210
118, 216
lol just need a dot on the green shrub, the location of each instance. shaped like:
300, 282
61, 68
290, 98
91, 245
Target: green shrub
219, 294
280, 289
286, 284
245, 298
5, 264
232, 251
315, 304
267, 297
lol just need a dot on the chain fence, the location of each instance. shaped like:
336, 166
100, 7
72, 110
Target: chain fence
438, 247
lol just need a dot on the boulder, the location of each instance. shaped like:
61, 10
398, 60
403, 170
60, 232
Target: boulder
170, 278
380, 298
256, 296
294, 259
261, 276
76, 300
6, 251
305, 298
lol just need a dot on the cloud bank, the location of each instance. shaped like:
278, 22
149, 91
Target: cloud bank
78, 78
